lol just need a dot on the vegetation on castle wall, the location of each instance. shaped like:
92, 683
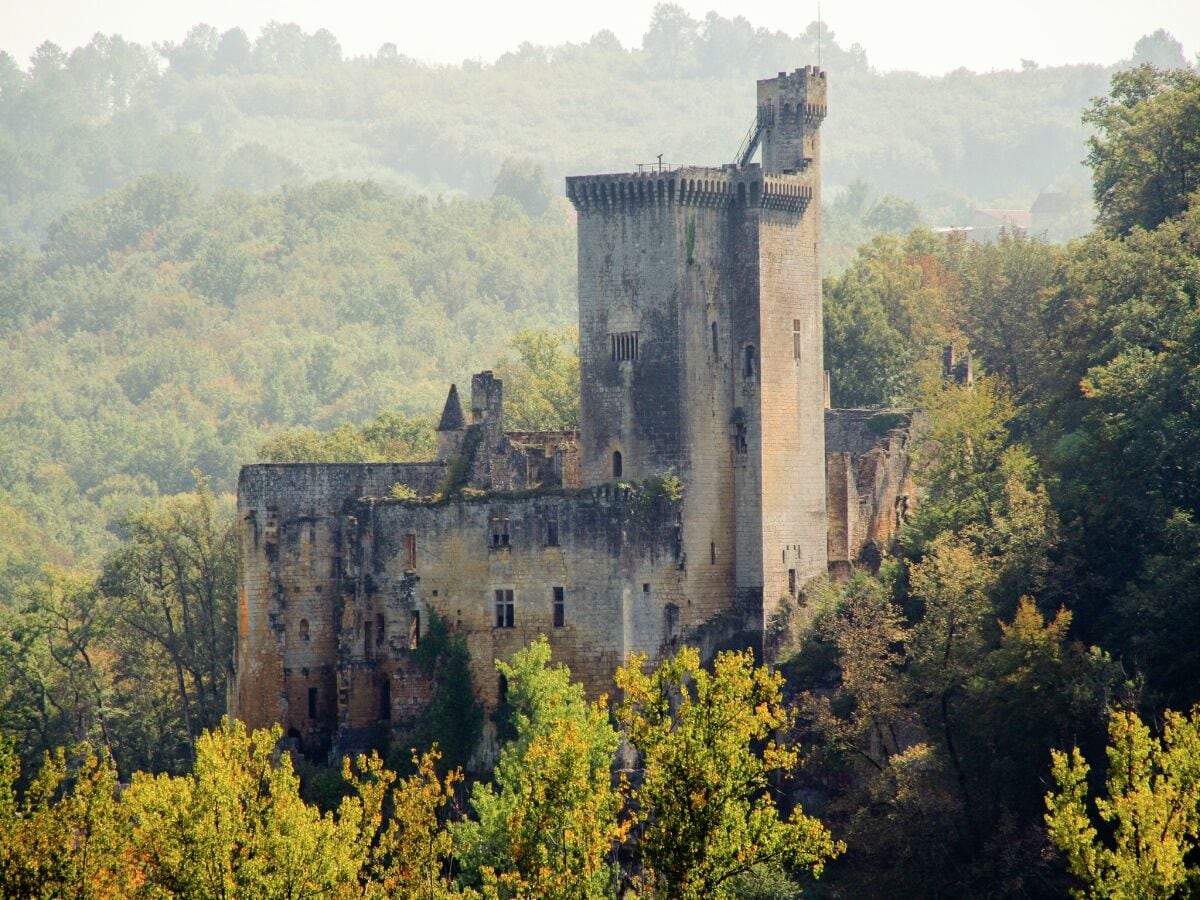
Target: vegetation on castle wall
454, 720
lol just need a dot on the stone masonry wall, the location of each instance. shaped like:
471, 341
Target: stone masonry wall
292, 521
338, 588
869, 482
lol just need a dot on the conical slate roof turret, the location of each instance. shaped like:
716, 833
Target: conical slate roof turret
452, 413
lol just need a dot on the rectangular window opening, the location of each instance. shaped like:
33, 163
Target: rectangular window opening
741, 438
499, 522
367, 642
312, 703
624, 346
505, 613
410, 552
380, 630
712, 553
560, 607
414, 630
552, 530
792, 582
796, 339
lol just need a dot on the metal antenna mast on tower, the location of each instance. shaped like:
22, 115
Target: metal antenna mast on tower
819, 28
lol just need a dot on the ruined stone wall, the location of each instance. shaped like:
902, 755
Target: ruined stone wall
869, 482
292, 521
556, 455
338, 582
616, 557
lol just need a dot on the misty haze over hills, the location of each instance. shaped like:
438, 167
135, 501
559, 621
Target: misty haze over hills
287, 108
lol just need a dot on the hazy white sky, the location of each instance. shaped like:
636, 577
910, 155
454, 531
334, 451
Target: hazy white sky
930, 36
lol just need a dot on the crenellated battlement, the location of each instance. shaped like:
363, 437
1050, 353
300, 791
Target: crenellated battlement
699, 186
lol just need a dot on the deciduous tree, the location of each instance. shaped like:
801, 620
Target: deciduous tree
706, 740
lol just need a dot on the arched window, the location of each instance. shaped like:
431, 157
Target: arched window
618, 467
748, 368
304, 629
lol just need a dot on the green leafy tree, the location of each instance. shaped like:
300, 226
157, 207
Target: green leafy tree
56, 666
410, 851
172, 589
548, 825
885, 314
541, 380
65, 837
236, 825
1145, 158
1150, 811
524, 180
1159, 49
704, 808
454, 720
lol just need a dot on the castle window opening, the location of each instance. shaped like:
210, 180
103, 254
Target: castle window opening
552, 529
385, 699
499, 522
368, 644
502, 689
312, 702
624, 346
671, 621
712, 553
792, 582
379, 629
646, 589
414, 630
749, 364
796, 341
304, 629
410, 552
714, 340
741, 438
505, 608
618, 466
560, 607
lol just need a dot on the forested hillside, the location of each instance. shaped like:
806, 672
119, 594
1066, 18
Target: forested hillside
287, 108
162, 330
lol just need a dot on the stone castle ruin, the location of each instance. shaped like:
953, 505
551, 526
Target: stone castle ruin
707, 484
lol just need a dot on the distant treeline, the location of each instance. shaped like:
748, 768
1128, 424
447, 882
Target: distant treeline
287, 108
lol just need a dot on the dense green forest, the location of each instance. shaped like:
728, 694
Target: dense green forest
938, 729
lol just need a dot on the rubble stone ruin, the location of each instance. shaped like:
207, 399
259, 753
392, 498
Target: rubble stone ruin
708, 484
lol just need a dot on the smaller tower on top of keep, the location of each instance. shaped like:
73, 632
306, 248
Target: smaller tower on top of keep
452, 427
790, 111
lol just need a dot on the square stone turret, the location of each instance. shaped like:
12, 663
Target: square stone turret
790, 111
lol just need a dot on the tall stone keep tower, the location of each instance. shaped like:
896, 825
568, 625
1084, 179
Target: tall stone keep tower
701, 351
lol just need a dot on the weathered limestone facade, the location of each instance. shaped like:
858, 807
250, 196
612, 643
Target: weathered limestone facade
701, 359
868, 483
